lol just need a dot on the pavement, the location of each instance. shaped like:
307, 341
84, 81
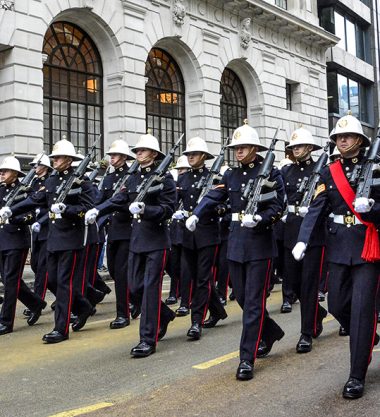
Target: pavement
92, 374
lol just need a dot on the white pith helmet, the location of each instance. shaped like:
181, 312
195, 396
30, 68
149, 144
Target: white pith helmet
198, 144
349, 124
45, 161
120, 146
246, 135
335, 153
182, 162
10, 162
302, 136
148, 141
64, 148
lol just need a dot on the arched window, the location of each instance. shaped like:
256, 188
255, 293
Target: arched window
165, 99
73, 88
233, 106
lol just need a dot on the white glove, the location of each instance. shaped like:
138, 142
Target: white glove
5, 213
250, 221
137, 208
178, 215
299, 250
191, 223
90, 216
363, 204
283, 218
302, 211
36, 227
58, 208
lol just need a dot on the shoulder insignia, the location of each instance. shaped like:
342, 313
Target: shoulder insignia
320, 189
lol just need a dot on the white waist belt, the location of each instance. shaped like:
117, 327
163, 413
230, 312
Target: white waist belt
293, 209
236, 217
348, 220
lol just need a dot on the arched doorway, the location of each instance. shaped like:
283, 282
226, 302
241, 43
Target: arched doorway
73, 88
233, 107
165, 99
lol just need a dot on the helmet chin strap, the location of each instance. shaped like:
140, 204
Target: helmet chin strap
353, 148
305, 154
250, 156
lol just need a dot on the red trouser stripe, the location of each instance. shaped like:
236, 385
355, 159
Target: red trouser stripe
85, 269
21, 270
71, 293
159, 294
95, 264
263, 304
317, 302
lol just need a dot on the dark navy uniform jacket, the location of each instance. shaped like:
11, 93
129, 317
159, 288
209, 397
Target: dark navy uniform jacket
41, 214
15, 234
120, 222
150, 230
207, 232
344, 242
65, 232
246, 244
293, 175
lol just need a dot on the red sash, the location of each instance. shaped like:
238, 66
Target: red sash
371, 249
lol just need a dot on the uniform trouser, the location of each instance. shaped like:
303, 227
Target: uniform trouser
38, 263
95, 281
173, 268
250, 283
117, 260
325, 274
145, 273
12, 267
287, 291
222, 272
304, 280
352, 301
200, 265
64, 283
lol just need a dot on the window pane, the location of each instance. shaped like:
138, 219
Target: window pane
343, 94
354, 97
339, 30
351, 37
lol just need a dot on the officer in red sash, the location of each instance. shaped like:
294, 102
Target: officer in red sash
352, 248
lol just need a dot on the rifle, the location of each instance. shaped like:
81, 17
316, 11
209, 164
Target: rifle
19, 191
313, 180
253, 191
366, 180
117, 187
154, 182
66, 186
205, 183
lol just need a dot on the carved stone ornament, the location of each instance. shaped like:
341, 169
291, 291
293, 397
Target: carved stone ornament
179, 12
245, 33
7, 4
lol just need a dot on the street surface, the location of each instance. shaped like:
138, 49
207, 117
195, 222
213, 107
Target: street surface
92, 374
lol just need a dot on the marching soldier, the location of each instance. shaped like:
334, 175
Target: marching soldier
251, 246
177, 227
149, 243
38, 260
303, 277
352, 248
65, 240
199, 248
14, 246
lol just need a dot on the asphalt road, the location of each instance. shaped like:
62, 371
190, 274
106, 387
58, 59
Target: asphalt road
93, 374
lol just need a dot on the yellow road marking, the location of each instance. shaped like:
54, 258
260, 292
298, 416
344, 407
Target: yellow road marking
217, 361
83, 410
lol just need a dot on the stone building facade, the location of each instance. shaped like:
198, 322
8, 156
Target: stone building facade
277, 56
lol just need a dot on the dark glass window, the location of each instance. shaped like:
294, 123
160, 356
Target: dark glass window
233, 107
73, 88
346, 94
281, 3
289, 96
165, 99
